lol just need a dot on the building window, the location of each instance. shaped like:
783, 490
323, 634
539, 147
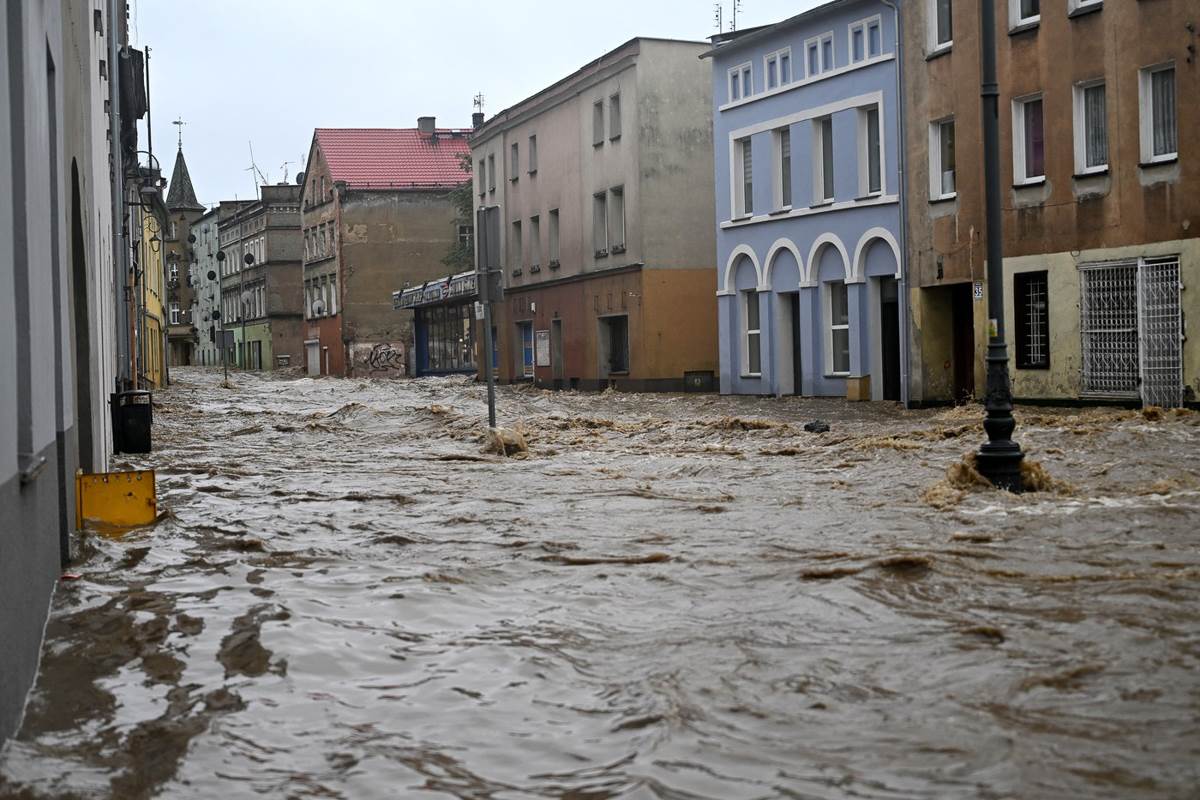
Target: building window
741, 82
482, 177
553, 236
823, 189
1024, 13
535, 240
778, 68
615, 338
532, 155
819, 54
743, 205
839, 328
1091, 128
598, 123
866, 40
1029, 142
1160, 141
616, 219
942, 183
516, 253
1030, 299
783, 168
1080, 5
941, 25
514, 165
491, 159
614, 117
751, 334
600, 224
174, 313
827, 52
870, 167
465, 235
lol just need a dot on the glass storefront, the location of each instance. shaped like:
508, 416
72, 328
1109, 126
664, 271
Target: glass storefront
446, 338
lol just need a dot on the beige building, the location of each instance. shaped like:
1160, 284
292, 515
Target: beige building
1101, 171
603, 183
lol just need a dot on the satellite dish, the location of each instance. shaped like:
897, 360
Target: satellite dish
318, 308
300, 178
216, 313
212, 274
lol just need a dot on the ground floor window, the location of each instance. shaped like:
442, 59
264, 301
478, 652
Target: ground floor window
839, 327
614, 343
525, 331
751, 333
449, 338
1031, 292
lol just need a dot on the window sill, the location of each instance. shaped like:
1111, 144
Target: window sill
778, 211
617, 249
1038, 368
821, 204
620, 373
514, 179
616, 138
554, 264
533, 172
1032, 183
1160, 162
837, 374
868, 196
1027, 25
946, 198
1095, 172
601, 254
516, 273
598, 144
535, 269
755, 375
1084, 10
939, 51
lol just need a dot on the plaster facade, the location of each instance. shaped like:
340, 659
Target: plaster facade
602, 186
810, 262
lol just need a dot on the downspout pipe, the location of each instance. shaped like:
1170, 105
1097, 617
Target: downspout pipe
905, 303
117, 167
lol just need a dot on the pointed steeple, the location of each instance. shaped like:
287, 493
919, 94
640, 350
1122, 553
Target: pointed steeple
181, 196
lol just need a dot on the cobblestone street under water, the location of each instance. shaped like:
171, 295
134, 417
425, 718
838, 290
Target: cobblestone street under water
668, 597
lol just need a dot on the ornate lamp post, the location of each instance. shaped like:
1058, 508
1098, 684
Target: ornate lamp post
999, 457
217, 315
249, 259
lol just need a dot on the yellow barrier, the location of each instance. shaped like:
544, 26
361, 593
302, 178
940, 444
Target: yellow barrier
117, 499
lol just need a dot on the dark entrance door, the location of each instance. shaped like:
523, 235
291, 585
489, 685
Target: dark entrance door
556, 352
797, 372
889, 337
963, 335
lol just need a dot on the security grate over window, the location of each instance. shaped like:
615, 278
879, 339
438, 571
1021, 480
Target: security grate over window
1033, 320
1161, 332
1108, 320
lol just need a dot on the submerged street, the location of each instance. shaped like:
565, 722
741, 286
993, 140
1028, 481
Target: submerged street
669, 596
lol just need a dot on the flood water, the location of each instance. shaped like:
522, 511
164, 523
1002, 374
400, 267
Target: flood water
681, 596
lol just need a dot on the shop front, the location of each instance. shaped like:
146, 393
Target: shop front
443, 324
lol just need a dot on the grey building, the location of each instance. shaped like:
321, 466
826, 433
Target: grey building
206, 291
57, 332
262, 303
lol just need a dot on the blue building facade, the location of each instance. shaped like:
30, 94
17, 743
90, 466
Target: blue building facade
806, 134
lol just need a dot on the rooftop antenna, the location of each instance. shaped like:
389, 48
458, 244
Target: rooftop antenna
179, 123
478, 101
256, 173
719, 17
737, 6
284, 167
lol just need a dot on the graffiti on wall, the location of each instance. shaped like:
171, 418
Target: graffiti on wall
380, 359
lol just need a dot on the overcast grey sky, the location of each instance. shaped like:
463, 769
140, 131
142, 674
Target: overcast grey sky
269, 71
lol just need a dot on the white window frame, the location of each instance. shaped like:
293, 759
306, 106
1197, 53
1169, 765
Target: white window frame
830, 327
819, 41
864, 164
934, 46
818, 144
1079, 5
1080, 125
737, 77
864, 26
1146, 113
779, 176
740, 207
776, 58
532, 156
1018, 142
615, 219
750, 296
935, 160
1016, 21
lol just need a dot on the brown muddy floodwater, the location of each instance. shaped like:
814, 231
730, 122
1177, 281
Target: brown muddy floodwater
670, 597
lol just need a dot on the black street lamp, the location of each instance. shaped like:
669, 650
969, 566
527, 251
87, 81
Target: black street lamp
999, 458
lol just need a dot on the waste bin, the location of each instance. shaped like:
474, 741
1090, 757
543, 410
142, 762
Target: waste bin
131, 418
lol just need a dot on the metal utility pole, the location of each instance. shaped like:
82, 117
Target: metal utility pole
249, 259
999, 458
117, 165
486, 248
217, 312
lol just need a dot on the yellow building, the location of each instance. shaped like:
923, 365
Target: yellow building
148, 297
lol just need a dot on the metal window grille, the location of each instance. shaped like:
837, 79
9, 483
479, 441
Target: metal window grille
1161, 340
1033, 320
1109, 325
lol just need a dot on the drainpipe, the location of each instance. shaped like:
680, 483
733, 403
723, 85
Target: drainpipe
905, 305
117, 165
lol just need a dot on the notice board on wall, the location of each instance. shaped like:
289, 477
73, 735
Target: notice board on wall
542, 348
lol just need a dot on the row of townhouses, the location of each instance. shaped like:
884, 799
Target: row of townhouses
798, 209
84, 311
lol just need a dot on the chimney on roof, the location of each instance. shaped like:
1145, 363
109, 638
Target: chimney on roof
426, 125
477, 120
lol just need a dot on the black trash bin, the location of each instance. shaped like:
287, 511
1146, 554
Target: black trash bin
131, 418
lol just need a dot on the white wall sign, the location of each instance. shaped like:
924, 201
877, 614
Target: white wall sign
542, 348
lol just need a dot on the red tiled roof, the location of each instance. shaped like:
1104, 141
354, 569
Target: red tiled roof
394, 158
